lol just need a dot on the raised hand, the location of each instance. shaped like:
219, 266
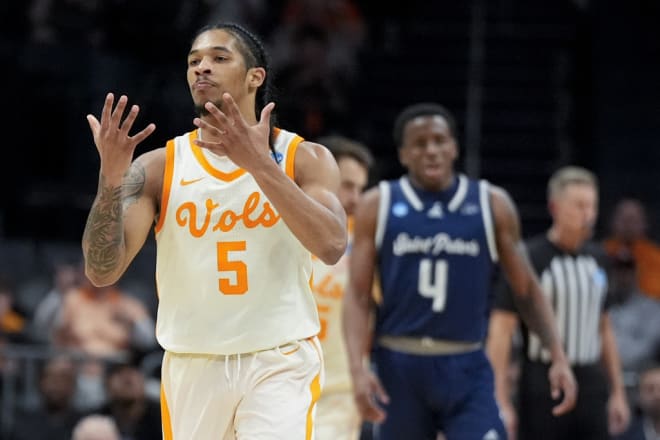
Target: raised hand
231, 135
111, 136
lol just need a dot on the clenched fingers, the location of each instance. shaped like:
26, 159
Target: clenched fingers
569, 390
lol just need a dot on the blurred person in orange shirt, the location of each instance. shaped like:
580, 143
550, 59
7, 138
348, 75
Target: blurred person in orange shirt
629, 237
103, 321
12, 321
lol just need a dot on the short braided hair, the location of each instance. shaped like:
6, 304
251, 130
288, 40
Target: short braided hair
254, 54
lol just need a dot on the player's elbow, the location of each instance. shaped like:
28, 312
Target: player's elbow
333, 250
100, 279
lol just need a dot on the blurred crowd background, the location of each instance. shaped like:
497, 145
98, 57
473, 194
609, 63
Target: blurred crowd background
534, 85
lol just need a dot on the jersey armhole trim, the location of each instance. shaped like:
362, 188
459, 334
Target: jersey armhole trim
167, 184
486, 212
290, 166
383, 207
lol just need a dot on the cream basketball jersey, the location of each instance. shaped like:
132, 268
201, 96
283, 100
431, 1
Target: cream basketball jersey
231, 276
328, 286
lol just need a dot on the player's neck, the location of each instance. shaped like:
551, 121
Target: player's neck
207, 135
439, 186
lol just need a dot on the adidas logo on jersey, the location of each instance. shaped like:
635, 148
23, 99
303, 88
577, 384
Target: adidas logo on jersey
435, 211
470, 209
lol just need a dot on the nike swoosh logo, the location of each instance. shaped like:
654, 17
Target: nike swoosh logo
184, 182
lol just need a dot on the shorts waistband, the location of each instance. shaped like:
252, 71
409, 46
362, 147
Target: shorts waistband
284, 345
427, 346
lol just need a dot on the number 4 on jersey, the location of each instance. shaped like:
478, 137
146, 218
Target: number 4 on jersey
433, 282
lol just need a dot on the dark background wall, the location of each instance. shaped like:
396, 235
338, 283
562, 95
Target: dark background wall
625, 101
534, 85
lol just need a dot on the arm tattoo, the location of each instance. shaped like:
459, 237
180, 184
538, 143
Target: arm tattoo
103, 237
133, 185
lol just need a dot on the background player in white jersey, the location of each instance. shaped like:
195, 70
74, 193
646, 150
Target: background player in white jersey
337, 417
239, 207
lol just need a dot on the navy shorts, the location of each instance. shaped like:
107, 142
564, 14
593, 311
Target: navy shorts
453, 394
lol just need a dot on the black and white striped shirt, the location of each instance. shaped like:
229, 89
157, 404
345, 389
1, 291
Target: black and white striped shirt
576, 285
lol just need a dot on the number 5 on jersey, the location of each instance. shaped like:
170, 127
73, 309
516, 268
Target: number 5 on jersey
433, 282
236, 283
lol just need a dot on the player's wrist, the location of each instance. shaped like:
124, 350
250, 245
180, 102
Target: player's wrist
358, 367
111, 178
618, 392
558, 355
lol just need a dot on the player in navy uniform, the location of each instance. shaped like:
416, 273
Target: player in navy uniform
433, 239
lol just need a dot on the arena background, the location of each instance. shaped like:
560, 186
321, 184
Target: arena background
534, 85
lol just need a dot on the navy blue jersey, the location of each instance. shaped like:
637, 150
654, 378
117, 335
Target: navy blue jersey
436, 260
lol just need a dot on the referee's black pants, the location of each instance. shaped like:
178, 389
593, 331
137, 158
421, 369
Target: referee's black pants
587, 421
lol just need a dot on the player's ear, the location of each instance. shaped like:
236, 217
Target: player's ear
256, 76
403, 157
454, 149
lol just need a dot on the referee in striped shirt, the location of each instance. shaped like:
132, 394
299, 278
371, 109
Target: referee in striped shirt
572, 271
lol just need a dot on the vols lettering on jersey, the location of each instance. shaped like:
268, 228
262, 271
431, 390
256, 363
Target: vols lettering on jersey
216, 233
187, 215
432, 245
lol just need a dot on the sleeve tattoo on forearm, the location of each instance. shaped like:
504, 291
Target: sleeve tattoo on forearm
104, 231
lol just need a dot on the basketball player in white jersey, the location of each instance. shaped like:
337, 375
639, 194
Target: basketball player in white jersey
238, 207
337, 416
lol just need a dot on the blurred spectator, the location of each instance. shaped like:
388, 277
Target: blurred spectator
66, 276
310, 75
55, 417
104, 321
646, 424
315, 53
340, 20
629, 236
12, 321
11, 327
65, 21
96, 427
634, 318
136, 416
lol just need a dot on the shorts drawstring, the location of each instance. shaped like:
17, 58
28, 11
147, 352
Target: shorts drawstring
231, 381
238, 367
227, 370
